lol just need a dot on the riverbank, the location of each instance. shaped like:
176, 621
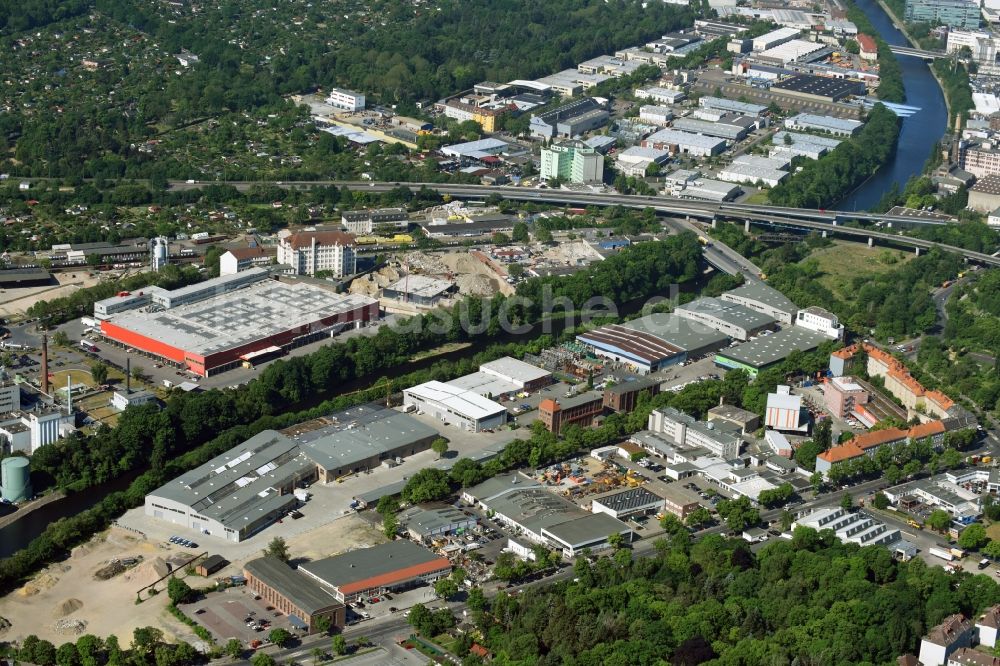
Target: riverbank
25, 510
901, 26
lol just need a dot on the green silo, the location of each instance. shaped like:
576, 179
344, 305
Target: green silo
15, 479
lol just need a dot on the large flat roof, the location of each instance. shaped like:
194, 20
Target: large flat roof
236, 487
462, 401
730, 313
349, 445
586, 529
241, 317
508, 366
535, 508
769, 349
379, 566
762, 293
295, 587
627, 500
635, 344
680, 332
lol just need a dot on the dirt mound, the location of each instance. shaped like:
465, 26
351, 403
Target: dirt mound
40, 583
109, 571
149, 572
477, 285
4, 624
67, 607
72, 627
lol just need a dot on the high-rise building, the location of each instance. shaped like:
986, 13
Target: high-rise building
573, 161
953, 13
310, 252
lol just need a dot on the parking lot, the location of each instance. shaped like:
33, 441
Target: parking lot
236, 613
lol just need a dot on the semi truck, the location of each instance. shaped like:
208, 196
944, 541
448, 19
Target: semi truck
941, 552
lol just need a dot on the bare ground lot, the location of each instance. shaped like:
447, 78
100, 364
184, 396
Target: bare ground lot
66, 600
17, 301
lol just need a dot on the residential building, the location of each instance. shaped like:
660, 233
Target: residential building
972, 657
904, 387
952, 13
785, 412
869, 442
829, 124
729, 318
361, 222
980, 158
953, 633
295, 595
486, 117
348, 100
678, 428
582, 410
242, 259
371, 572
311, 252
767, 300
988, 625
817, 319
452, 404
572, 161
868, 47
843, 395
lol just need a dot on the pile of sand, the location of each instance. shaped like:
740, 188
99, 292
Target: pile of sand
462, 263
109, 571
149, 572
477, 285
70, 627
419, 262
40, 583
67, 607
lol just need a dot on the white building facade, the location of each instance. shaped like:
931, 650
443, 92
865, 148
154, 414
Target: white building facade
311, 252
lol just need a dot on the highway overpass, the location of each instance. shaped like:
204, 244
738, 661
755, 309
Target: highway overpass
830, 221
917, 53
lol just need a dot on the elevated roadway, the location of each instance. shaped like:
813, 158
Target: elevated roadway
829, 221
917, 53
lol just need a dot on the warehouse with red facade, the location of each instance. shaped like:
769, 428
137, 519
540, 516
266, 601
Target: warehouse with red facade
227, 327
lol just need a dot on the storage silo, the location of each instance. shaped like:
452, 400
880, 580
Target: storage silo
15, 479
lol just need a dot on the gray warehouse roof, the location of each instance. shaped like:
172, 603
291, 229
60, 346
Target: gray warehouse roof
730, 313
769, 349
678, 331
590, 528
536, 508
762, 293
498, 485
292, 585
365, 563
629, 500
346, 447
430, 521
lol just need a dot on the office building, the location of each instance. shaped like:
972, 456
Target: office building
122, 400
242, 259
729, 318
573, 162
10, 397
721, 440
842, 396
746, 421
348, 100
219, 332
622, 397
758, 296
462, 112
952, 13
360, 222
817, 319
294, 594
311, 252
983, 46
980, 158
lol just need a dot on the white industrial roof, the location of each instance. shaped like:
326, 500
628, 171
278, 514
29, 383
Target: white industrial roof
459, 400
511, 368
491, 146
685, 138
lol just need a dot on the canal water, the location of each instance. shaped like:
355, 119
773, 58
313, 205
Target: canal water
919, 133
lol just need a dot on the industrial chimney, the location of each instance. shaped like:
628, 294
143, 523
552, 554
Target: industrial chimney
128, 375
44, 384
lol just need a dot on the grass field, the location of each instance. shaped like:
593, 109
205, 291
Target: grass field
77, 376
842, 262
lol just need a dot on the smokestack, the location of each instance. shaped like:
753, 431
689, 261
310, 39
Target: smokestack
69, 395
128, 374
44, 384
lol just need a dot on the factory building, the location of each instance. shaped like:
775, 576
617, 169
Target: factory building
764, 299
210, 333
622, 397
627, 503
828, 124
582, 410
453, 404
819, 88
729, 318
785, 412
294, 594
766, 350
686, 143
569, 120
371, 572
419, 290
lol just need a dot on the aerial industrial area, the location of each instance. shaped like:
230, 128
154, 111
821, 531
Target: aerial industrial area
458, 359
